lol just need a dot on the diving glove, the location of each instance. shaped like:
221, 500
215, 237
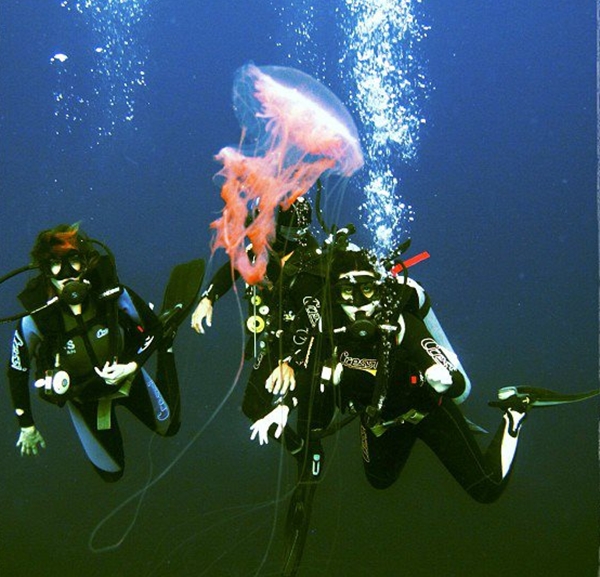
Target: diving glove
29, 439
116, 373
439, 378
203, 313
281, 380
278, 416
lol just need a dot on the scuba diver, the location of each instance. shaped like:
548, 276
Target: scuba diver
294, 251
292, 241
385, 358
88, 337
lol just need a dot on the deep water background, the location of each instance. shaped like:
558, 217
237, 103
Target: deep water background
504, 192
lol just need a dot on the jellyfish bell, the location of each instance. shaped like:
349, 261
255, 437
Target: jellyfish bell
294, 129
286, 108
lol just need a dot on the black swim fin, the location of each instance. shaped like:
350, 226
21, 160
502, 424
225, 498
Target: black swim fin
531, 397
181, 292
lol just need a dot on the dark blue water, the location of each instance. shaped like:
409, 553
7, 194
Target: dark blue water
504, 193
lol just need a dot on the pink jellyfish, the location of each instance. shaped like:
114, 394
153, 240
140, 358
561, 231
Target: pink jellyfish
293, 130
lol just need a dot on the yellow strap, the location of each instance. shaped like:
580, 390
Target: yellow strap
103, 417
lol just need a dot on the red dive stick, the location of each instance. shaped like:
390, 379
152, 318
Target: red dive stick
411, 261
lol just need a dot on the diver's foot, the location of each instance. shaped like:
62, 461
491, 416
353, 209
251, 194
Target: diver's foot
524, 398
514, 419
511, 398
515, 405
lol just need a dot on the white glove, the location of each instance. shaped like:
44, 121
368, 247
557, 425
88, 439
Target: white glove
278, 416
204, 311
116, 373
281, 380
29, 439
439, 378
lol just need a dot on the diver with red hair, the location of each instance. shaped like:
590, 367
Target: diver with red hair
86, 337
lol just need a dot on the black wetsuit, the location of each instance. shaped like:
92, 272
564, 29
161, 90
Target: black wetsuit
406, 407
55, 339
268, 304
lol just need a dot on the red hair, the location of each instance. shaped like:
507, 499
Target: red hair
62, 242
59, 241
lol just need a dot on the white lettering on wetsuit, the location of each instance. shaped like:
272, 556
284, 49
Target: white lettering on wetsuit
101, 333
437, 353
146, 344
15, 357
312, 306
160, 405
369, 365
300, 337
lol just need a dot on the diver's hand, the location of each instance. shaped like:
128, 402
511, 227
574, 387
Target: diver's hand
439, 378
278, 416
281, 380
29, 439
204, 311
116, 373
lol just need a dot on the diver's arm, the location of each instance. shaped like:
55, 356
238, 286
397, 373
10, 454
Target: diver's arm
136, 308
221, 282
439, 365
418, 303
18, 379
141, 329
18, 383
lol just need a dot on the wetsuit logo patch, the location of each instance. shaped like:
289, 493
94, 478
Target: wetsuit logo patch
146, 344
15, 357
437, 353
160, 406
312, 306
369, 365
300, 336
101, 333
364, 442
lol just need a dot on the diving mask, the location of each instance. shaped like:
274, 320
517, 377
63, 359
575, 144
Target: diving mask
358, 294
72, 265
66, 275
